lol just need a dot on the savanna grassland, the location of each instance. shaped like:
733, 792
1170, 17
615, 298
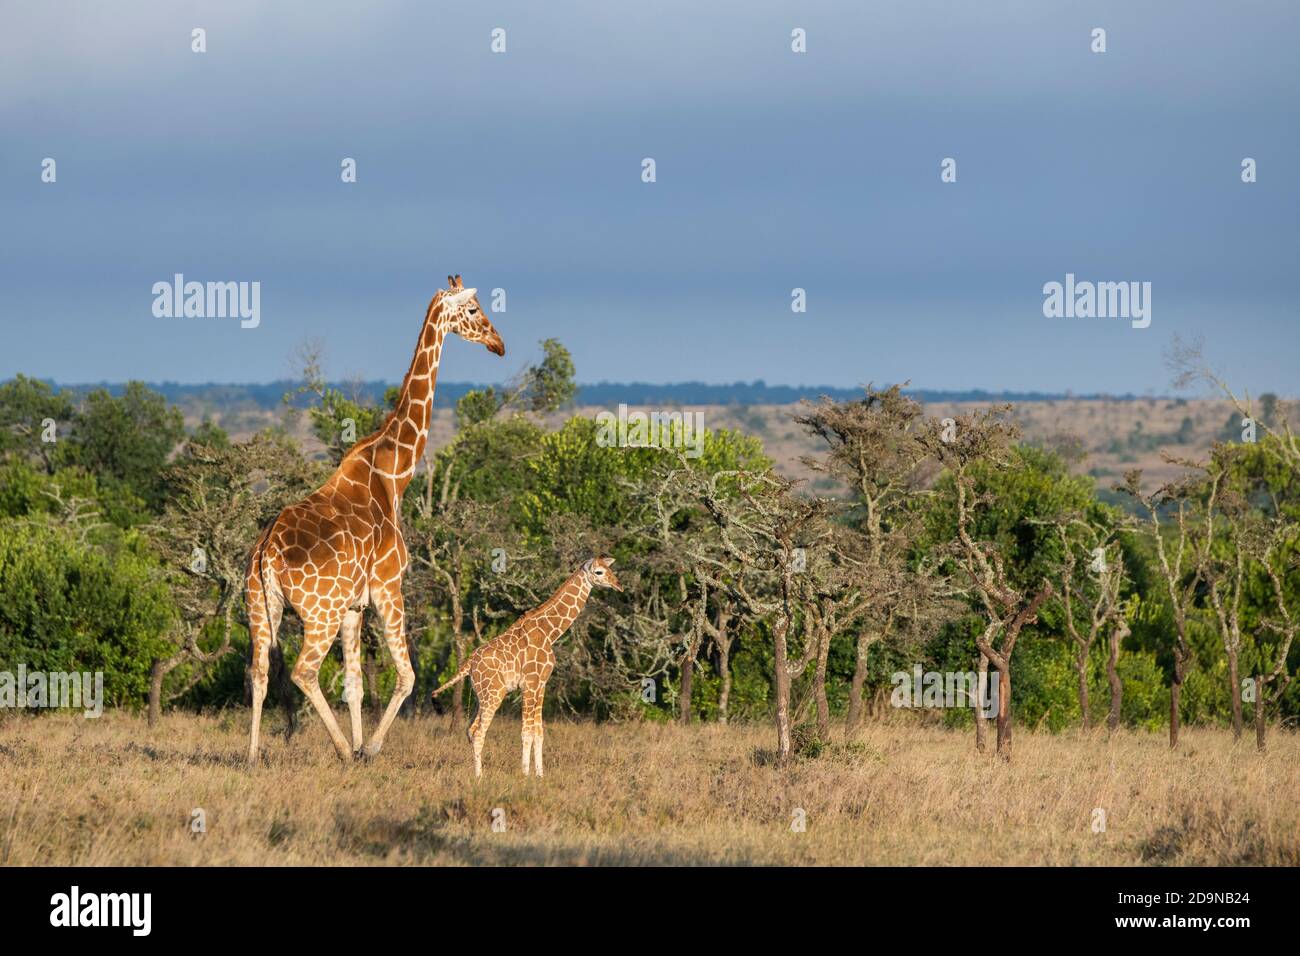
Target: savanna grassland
112, 791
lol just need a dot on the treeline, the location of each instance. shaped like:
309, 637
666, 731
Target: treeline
223, 397
955, 548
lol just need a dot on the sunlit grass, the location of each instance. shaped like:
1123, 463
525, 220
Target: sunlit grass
111, 791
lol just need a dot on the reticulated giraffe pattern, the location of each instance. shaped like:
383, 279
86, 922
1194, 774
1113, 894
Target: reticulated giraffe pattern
341, 548
523, 657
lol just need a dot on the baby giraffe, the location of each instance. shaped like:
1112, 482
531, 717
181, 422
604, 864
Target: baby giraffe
522, 656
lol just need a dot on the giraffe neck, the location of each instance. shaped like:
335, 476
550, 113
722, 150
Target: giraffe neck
564, 606
399, 445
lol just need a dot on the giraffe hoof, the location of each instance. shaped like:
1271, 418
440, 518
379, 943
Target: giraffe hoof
368, 752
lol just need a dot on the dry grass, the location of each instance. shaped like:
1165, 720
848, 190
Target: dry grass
110, 791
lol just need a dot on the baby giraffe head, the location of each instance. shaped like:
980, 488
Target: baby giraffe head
462, 314
598, 573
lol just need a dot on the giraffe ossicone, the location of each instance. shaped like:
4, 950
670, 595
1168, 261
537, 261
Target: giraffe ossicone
340, 548
523, 657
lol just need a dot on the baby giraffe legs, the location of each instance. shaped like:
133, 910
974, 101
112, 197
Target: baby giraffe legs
488, 702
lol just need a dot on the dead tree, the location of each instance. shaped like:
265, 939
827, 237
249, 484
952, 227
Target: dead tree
1187, 361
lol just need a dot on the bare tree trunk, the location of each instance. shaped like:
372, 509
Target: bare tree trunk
981, 723
155, 690
859, 681
819, 685
1116, 685
458, 695
782, 686
1259, 714
688, 680
724, 668
1004, 711
1081, 668
1175, 699
1234, 679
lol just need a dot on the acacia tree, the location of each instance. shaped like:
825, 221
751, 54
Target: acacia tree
1178, 568
218, 498
452, 545
683, 558
962, 445
764, 536
1228, 538
1282, 622
872, 447
1119, 630
1091, 576
1188, 363
27, 405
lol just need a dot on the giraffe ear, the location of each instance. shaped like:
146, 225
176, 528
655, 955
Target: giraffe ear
609, 562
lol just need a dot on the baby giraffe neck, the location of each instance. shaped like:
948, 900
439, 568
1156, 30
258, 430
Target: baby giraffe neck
564, 606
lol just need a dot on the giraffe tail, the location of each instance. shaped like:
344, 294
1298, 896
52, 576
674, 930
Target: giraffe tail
257, 574
459, 676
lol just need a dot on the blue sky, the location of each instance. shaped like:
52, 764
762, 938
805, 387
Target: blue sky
774, 170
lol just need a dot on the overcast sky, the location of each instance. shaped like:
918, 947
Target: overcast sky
775, 170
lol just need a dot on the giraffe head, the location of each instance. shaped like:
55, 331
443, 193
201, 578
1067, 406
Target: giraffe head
599, 573
462, 314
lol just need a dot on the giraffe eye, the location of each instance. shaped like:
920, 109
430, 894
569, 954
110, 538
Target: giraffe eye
473, 311
600, 571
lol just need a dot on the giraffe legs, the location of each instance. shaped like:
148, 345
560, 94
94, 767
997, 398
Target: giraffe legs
532, 727
263, 630
488, 702
388, 600
538, 733
317, 637
350, 635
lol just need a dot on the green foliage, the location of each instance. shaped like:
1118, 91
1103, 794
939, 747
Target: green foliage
476, 407
96, 527
72, 606
27, 406
27, 490
549, 385
126, 440
210, 434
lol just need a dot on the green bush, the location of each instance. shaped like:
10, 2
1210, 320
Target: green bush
73, 607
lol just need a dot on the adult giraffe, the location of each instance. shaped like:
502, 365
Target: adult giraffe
341, 548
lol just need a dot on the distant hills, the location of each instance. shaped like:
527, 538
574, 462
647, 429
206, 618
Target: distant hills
270, 395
